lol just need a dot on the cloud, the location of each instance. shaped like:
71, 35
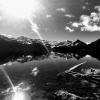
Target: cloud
75, 24
48, 16
7, 35
61, 10
97, 8
89, 23
0, 17
69, 29
86, 3
84, 7
69, 15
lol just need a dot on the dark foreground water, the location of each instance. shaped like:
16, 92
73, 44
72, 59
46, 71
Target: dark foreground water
37, 79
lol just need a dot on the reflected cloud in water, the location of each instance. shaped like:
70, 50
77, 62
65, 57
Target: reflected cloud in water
35, 71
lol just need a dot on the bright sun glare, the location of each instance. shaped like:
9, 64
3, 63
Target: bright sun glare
18, 96
20, 8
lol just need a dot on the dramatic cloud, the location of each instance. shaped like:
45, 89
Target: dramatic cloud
61, 10
75, 24
89, 23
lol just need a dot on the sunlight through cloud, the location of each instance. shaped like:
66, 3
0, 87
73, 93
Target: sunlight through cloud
20, 8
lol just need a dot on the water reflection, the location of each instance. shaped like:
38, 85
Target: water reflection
21, 58
35, 71
22, 92
36, 77
25, 91
77, 56
27, 58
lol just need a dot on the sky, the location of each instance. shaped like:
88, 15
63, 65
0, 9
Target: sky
59, 20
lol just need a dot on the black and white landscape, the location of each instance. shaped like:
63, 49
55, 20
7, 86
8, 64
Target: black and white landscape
49, 49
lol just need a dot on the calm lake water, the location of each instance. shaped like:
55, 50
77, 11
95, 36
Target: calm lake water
39, 77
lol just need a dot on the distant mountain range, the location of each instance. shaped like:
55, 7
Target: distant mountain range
26, 46
69, 46
20, 46
79, 48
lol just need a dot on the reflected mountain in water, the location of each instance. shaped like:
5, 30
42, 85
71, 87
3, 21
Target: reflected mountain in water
79, 49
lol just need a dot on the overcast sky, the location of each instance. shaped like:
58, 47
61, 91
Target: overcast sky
61, 20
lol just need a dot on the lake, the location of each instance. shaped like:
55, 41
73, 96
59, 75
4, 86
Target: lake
38, 77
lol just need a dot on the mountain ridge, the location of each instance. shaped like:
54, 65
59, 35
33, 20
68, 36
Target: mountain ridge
63, 46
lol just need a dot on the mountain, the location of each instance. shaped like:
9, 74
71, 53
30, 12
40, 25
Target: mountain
64, 43
69, 46
62, 47
94, 49
79, 46
94, 45
20, 46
